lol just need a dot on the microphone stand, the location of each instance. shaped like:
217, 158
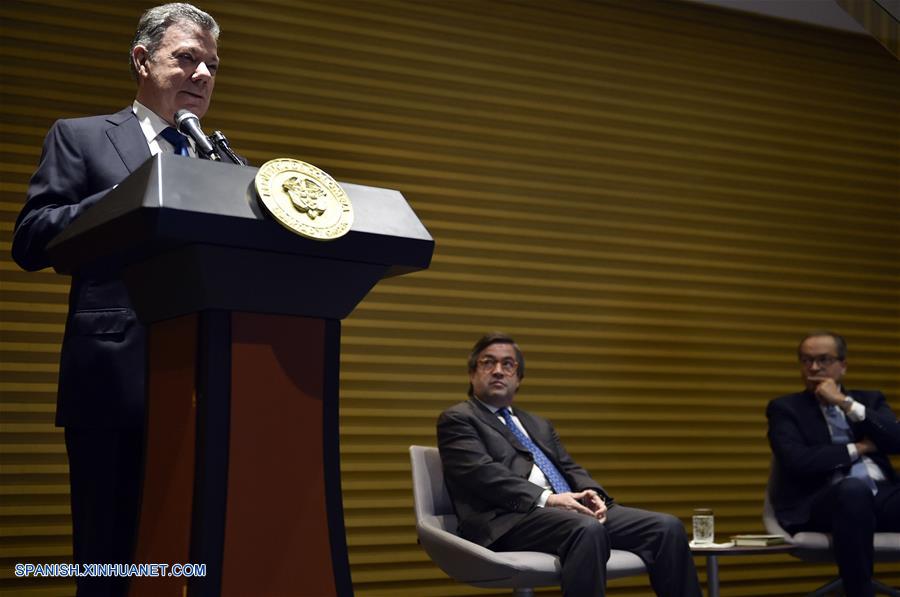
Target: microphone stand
222, 146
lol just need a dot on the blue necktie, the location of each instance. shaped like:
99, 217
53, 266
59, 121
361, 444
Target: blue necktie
557, 481
841, 434
178, 141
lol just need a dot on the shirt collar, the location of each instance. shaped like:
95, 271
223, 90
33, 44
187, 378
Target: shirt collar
152, 125
493, 409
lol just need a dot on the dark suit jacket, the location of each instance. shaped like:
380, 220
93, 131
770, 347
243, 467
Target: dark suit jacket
487, 469
805, 458
101, 372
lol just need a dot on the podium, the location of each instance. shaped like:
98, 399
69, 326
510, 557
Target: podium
242, 467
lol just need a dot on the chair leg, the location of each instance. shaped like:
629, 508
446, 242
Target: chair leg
523, 592
883, 588
835, 585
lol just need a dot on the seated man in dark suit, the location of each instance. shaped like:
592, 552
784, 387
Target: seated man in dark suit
515, 488
832, 472
101, 388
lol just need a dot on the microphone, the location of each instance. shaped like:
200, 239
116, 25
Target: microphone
188, 124
223, 147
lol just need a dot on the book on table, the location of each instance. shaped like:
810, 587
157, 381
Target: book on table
757, 540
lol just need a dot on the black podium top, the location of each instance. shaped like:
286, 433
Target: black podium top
189, 235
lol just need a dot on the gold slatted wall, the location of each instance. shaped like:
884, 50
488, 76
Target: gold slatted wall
656, 198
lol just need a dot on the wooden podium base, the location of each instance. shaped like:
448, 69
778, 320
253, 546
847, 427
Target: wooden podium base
242, 470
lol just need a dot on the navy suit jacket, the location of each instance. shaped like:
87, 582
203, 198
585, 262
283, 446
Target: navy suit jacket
806, 460
486, 468
103, 359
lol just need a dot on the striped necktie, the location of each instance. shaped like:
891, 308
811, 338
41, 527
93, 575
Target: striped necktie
557, 481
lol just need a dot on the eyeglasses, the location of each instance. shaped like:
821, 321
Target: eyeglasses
823, 360
488, 364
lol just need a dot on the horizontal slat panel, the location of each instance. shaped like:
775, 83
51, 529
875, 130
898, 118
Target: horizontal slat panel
656, 198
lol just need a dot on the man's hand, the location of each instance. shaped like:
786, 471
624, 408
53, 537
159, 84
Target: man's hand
866, 446
584, 502
595, 503
827, 390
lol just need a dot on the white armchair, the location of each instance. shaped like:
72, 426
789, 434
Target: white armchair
473, 564
816, 547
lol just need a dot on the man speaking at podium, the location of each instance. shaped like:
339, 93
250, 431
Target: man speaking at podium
100, 399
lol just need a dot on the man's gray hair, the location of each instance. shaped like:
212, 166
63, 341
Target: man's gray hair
154, 22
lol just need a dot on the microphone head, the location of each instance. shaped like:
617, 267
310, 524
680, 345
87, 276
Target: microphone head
183, 115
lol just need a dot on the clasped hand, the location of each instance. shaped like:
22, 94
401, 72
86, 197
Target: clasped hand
586, 502
865, 446
828, 390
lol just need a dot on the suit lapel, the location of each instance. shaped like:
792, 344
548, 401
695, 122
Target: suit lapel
128, 139
856, 427
813, 420
491, 419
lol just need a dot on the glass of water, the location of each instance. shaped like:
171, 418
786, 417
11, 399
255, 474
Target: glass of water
704, 526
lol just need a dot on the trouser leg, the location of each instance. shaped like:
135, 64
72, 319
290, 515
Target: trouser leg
105, 476
660, 541
847, 511
887, 508
581, 543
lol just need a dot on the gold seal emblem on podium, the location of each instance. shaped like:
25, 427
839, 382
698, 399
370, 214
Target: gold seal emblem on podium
304, 199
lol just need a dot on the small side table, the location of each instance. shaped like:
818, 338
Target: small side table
713, 554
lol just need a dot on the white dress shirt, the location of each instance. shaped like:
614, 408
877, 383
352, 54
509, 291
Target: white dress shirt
153, 125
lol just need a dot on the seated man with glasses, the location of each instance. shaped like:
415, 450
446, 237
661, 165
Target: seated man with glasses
832, 472
515, 488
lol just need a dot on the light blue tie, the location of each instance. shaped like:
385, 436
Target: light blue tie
841, 434
178, 141
557, 481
